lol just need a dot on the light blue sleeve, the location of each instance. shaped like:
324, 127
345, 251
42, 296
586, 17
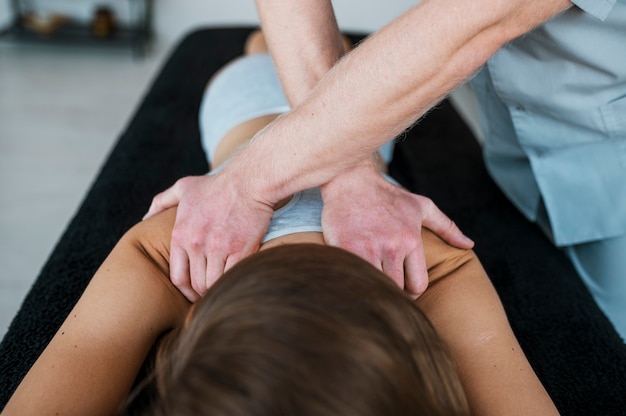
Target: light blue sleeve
597, 8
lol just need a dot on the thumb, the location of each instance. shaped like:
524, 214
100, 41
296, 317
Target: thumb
439, 223
164, 200
415, 273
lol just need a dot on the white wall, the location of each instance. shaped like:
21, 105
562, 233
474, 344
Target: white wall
173, 18
4, 13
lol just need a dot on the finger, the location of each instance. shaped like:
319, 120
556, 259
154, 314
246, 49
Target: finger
394, 268
197, 272
415, 273
439, 223
179, 273
164, 200
214, 270
235, 258
360, 250
369, 256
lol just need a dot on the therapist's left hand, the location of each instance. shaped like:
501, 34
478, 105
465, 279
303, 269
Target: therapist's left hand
381, 222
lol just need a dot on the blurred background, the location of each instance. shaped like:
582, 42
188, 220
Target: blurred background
71, 74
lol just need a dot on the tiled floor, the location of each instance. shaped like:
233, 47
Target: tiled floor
60, 112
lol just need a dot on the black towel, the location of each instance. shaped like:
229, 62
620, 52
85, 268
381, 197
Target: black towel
575, 351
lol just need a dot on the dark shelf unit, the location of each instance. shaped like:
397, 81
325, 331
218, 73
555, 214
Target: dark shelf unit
136, 34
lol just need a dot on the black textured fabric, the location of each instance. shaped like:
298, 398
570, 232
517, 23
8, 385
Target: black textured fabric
575, 351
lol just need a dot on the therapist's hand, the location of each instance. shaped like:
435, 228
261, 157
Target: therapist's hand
217, 224
381, 222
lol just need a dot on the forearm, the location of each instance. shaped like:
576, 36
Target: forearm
304, 40
381, 88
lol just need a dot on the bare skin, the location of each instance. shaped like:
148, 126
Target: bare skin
369, 96
92, 361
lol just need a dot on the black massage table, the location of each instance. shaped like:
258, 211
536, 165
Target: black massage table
572, 346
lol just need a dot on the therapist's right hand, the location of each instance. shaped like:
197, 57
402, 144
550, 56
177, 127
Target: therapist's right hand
217, 224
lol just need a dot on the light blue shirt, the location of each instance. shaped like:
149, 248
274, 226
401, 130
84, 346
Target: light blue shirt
553, 112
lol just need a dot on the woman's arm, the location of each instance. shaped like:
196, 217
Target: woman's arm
89, 366
466, 311
304, 40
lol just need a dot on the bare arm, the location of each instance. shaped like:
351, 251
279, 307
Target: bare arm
381, 88
369, 97
466, 311
305, 43
304, 40
89, 366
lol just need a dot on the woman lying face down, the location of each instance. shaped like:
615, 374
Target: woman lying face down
304, 329
298, 328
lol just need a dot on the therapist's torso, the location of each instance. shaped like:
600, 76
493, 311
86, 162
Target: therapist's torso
553, 113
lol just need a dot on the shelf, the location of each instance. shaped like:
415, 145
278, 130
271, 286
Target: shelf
136, 34
81, 35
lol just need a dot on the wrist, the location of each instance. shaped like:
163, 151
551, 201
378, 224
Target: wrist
352, 178
247, 180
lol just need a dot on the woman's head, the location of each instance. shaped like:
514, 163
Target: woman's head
306, 329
